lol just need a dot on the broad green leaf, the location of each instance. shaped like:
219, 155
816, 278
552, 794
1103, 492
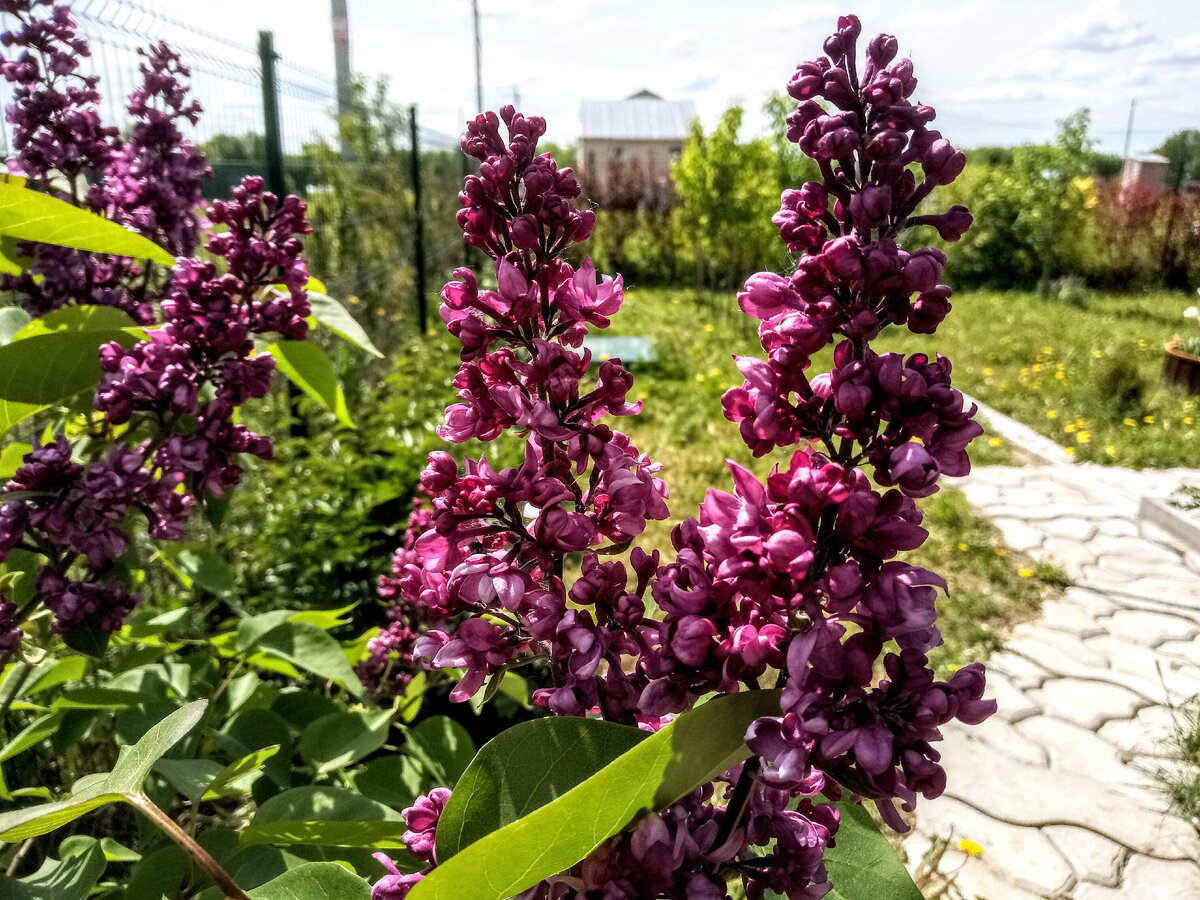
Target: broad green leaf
12, 412
253, 730
325, 816
307, 366
191, 777
71, 878
98, 698
308, 647
315, 284
251, 628
47, 368
395, 780
343, 738
81, 319
524, 768
26, 563
240, 775
685, 754
30, 216
314, 881
444, 747
409, 703
337, 318
862, 864
12, 458
208, 569
120, 784
70, 669
12, 320
324, 618
31, 735
11, 261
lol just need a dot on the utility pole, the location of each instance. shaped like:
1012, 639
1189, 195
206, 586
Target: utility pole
1129, 128
418, 219
478, 59
341, 62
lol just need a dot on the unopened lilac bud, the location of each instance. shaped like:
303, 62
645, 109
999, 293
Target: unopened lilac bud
882, 50
871, 207
951, 225
923, 269
942, 163
524, 232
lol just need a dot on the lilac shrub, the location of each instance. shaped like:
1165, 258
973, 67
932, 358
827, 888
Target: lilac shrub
793, 581
169, 431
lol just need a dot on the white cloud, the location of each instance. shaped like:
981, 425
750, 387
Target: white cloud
1002, 92
793, 16
1182, 51
683, 44
1100, 30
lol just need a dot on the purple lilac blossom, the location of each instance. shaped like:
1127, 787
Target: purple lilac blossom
796, 575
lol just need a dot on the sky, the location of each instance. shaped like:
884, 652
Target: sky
998, 71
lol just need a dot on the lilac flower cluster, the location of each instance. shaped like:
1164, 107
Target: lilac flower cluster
796, 576
72, 510
151, 182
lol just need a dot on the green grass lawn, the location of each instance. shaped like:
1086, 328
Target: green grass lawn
1086, 377
682, 426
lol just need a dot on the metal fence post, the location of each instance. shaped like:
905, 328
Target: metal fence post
275, 181
418, 219
271, 130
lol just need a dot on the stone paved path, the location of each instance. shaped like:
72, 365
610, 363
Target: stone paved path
1057, 788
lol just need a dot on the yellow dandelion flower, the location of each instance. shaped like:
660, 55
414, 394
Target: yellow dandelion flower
963, 547
1060, 376
1070, 451
1110, 450
674, 299
642, 395
1132, 423
604, 357
1096, 354
1187, 420
708, 327
700, 376
1037, 367
987, 371
1084, 437
1025, 573
1071, 428
714, 372
1149, 420
995, 442
1142, 343
1052, 414
354, 300
1046, 351
970, 847
999, 551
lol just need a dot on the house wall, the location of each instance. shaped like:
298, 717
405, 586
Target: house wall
634, 173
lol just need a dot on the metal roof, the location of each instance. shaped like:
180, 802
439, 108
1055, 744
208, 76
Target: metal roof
637, 118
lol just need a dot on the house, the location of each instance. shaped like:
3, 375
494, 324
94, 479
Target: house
1148, 171
626, 148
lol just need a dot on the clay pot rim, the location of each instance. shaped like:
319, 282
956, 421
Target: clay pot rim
1172, 347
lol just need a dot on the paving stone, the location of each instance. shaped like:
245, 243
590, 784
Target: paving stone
1068, 553
1182, 591
1149, 628
1011, 702
1057, 651
1094, 858
976, 879
1148, 733
1074, 528
1085, 702
1150, 673
1066, 616
1134, 548
1096, 604
1118, 527
1075, 749
1024, 854
1130, 567
1096, 511
1020, 670
1019, 535
1021, 794
1186, 651
1149, 879
1029, 497
1005, 738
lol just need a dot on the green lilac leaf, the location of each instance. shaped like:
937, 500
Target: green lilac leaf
307, 366
862, 864
684, 755
330, 313
314, 881
71, 878
343, 738
31, 216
